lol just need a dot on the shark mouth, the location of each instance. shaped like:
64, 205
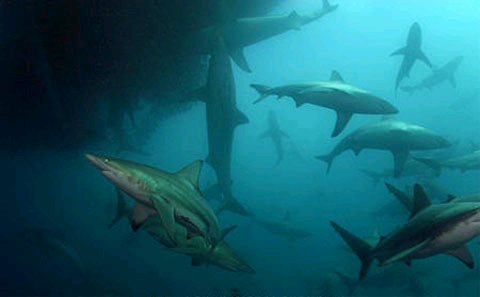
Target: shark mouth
192, 229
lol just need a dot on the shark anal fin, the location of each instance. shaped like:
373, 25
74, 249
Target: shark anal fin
399, 159
403, 255
463, 254
239, 58
342, 121
420, 200
191, 172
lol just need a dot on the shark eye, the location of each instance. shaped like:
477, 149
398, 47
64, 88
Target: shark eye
106, 160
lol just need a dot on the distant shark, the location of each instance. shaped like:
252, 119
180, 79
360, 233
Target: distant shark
170, 207
411, 52
223, 117
431, 230
466, 162
283, 227
389, 134
275, 134
439, 75
243, 32
334, 94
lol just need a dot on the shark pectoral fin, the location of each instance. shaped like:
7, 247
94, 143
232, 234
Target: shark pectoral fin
452, 81
191, 173
401, 51
420, 200
265, 134
336, 76
240, 118
199, 94
239, 58
423, 57
450, 197
225, 232
399, 159
403, 255
140, 214
122, 209
463, 254
361, 248
342, 121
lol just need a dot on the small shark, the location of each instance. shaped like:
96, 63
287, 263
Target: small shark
466, 162
170, 207
223, 117
411, 52
389, 134
431, 230
334, 94
438, 75
243, 32
283, 227
275, 134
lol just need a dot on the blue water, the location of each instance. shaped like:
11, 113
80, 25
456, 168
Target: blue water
61, 191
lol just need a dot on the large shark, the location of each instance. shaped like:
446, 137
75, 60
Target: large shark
282, 227
389, 134
334, 94
223, 117
243, 32
170, 207
466, 162
431, 230
439, 75
411, 52
275, 134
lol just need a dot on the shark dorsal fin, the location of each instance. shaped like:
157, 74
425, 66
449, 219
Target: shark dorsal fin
336, 76
450, 197
191, 172
420, 200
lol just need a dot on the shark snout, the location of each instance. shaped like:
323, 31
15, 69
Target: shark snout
97, 162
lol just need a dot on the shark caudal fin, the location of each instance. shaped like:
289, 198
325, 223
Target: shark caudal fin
327, 159
122, 209
361, 248
435, 165
262, 90
327, 7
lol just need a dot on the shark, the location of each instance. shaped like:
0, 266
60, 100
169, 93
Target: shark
275, 134
411, 52
438, 75
335, 94
431, 230
243, 32
389, 134
171, 208
223, 117
283, 227
465, 162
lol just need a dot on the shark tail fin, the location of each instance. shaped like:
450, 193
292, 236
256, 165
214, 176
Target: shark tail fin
349, 282
327, 7
122, 209
435, 165
327, 159
262, 90
361, 248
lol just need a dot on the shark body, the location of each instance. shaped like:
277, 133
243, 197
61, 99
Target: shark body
243, 32
335, 94
439, 75
170, 207
276, 135
466, 162
431, 230
282, 228
389, 134
411, 52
